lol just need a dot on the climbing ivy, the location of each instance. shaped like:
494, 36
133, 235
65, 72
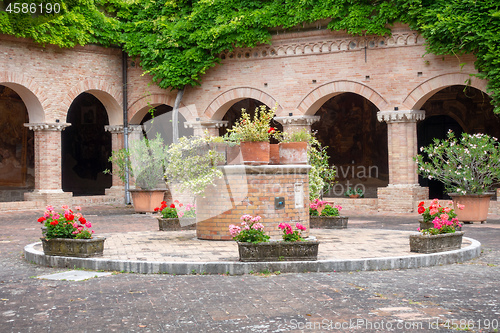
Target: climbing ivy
78, 22
458, 27
179, 40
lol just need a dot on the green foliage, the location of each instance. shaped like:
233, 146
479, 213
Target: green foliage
458, 27
145, 160
256, 128
321, 175
178, 41
470, 165
78, 22
193, 164
298, 136
330, 211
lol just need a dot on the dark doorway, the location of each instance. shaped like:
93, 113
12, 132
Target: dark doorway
17, 166
86, 147
159, 121
357, 143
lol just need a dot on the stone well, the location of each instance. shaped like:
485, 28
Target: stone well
254, 190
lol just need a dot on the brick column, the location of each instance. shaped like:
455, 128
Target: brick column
48, 175
117, 187
199, 126
403, 189
296, 123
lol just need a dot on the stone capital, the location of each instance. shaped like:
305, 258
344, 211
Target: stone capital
47, 126
401, 116
297, 120
201, 124
114, 129
134, 128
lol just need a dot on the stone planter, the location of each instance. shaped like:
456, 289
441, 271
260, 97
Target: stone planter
279, 251
68, 247
475, 206
293, 152
435, 243
255, 153
145, 201
428, 225
328, 222
171, 224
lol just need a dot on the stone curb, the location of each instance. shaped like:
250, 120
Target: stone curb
238, 268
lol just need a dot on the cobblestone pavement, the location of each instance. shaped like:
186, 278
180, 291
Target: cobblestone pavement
447, 298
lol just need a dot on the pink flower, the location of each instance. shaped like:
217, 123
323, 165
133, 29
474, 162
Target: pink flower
447, 209
256, 219
234, 230
433, 211
338, 207
88, 225
65, 207
78, 208
258, 226
49, 208
461, 207
300, 227
444, 216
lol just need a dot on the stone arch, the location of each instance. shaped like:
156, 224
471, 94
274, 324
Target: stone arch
29, 92
138, 109
317, 97
219, 106
109, 97
424, 91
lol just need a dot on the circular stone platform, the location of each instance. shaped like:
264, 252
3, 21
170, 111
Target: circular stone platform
180, 252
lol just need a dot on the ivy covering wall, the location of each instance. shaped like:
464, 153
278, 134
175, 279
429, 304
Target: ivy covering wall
179, 40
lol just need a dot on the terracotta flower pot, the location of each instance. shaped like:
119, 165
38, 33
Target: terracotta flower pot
145, 201
233, 155
475, 206
255, 153
274, 154
293, 152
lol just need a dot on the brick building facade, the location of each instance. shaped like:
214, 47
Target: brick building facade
299, 72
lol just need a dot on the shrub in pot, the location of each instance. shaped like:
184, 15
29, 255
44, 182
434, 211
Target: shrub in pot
468, 167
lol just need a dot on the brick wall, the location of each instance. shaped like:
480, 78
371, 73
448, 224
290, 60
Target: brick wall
251, 190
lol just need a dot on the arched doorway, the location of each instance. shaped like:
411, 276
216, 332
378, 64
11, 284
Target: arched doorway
159, 121
17, 166
234, 113
86, 147
357, 143
458, 108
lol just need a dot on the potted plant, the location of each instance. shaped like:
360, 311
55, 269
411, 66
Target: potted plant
293, 146
145, 160
176, 216
254, 244
468, 167
192, 164
436, 210
442, 236
68, 234
254, 133
325, 216
321, 174
354, 192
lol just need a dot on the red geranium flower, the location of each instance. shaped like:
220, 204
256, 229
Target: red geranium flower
41, 219
82, 220
271, 130
421, 204
421, 209
54, 222
172, 206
